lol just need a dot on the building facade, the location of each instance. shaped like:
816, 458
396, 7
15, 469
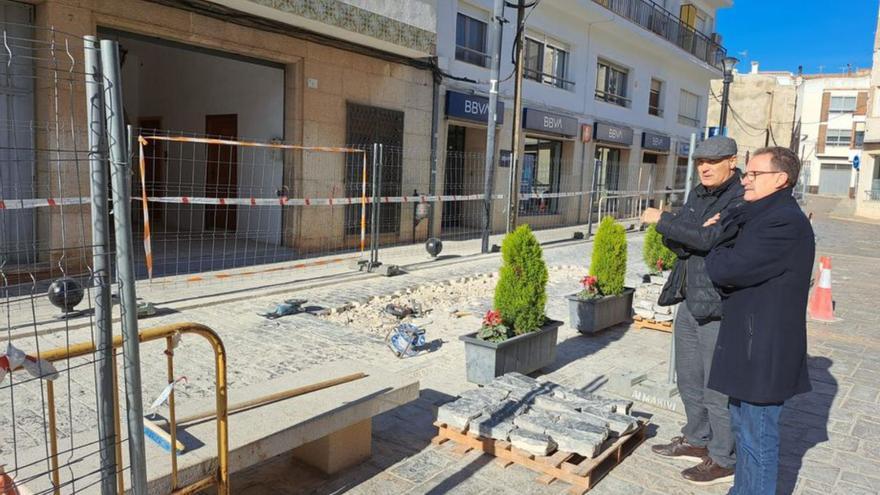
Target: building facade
763, 109
615, 87
868, 185
833, 130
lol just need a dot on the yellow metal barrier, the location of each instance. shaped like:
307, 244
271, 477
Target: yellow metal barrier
220, 478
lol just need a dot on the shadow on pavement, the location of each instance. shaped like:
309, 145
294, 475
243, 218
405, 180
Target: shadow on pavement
804, 422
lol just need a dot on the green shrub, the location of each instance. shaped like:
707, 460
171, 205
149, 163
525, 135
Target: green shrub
608, 263
521, 294
654, 250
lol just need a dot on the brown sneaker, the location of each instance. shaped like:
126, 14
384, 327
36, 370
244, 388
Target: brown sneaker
708, 473
680, 448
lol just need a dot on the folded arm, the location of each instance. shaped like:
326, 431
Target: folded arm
752, 261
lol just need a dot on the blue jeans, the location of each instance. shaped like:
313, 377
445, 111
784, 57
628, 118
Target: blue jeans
756, 427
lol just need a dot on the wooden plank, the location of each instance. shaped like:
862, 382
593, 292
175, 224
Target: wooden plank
503, 462
438, 440
462, 449
558, 458
545, 479
643, 323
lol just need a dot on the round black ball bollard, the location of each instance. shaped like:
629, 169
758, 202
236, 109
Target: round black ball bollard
65, 293
434, 246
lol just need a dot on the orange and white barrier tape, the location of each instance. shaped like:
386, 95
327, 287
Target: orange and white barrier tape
25, 204
223, 276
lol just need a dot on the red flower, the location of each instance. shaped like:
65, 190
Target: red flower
660, 264
492, 318
589, 282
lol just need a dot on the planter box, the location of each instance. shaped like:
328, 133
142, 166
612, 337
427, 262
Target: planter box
524, 353
593, 315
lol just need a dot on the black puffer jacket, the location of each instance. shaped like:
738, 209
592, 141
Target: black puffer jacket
683, 233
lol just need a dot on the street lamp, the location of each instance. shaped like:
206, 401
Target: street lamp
727, 65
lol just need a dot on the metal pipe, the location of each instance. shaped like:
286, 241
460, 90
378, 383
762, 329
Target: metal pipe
593, 180
513, 183
725, 94
374, 211
117, 422
491, 122
172, 420
101, 265
121, 175
53, 437
435, 126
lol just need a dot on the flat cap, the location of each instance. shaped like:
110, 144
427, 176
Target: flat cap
715, 147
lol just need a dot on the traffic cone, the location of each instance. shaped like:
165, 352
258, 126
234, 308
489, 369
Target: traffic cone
821, 306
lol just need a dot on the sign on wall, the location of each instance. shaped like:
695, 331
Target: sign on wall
471, 107
552, 123
613, 133
655, 142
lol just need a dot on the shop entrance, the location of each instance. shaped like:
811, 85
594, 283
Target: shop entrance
465, 163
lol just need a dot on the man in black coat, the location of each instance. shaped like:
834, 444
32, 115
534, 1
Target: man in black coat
707, 437
764, 274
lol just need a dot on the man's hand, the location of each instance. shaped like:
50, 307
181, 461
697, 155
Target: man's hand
651, 215
712, 221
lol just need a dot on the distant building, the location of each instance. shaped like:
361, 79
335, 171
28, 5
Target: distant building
868, 187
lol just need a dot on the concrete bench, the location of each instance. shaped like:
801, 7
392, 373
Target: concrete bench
330, 429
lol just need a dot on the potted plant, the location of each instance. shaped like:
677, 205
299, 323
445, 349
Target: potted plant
659, 258
515, 335
604, 301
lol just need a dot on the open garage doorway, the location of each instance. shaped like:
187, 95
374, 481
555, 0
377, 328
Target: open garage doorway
172, 89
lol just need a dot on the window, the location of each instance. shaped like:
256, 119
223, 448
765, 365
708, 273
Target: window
655, 99
859, 139
842, 104
611, 83
689, 109
837, 137
470, 41
540, 175
545, 63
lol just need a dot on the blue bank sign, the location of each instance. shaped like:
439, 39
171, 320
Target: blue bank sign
552, 123
471, 107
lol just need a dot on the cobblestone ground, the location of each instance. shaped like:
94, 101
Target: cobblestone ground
830, 436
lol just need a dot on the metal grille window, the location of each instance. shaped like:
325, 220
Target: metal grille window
655, 99
611, 81
689, 109
842, 104
546, 63
470, 41
368, 125
837, 137
541, 164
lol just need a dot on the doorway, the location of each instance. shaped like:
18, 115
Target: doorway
465, 163
221, 172
609, 172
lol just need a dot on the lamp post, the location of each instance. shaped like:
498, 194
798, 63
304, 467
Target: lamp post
727, 65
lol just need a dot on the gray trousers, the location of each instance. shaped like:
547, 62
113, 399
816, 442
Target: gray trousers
708, 420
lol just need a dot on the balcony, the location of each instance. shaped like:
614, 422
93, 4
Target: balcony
663, 23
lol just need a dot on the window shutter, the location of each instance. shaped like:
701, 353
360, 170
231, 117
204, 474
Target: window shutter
823, 127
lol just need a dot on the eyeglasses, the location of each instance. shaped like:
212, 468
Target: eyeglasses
754, 174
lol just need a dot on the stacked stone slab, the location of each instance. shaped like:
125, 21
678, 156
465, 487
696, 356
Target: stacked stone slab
646, 296
539, 417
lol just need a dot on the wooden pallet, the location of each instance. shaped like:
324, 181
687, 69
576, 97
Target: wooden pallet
663, 326
578, 471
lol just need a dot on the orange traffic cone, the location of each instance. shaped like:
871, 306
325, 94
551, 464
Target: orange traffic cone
821, 307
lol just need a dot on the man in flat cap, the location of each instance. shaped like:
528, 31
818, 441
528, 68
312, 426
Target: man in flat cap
707, 437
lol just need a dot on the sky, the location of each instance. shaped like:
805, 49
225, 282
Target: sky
821, 35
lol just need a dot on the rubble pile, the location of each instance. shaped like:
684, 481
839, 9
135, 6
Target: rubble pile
539, 417
646, 296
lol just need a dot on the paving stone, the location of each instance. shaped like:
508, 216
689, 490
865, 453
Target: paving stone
620, 406
867, 430
486, 394
554, 404
583, 442
497, 421
459, 413
531, 442
625, 381
618, 423
536, 421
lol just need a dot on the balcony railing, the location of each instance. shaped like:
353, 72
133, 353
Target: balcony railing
872, 195
663, 23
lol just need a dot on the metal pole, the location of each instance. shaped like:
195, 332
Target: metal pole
101, 266
492, 119
513, 185
725, 94
596, 164
374, 211
581, 180
121, 174
377, 218
435, 126
689, 178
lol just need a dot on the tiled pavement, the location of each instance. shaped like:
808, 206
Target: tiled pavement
830, 436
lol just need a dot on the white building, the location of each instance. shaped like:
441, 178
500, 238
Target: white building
625, 83
868, 187
833, 130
